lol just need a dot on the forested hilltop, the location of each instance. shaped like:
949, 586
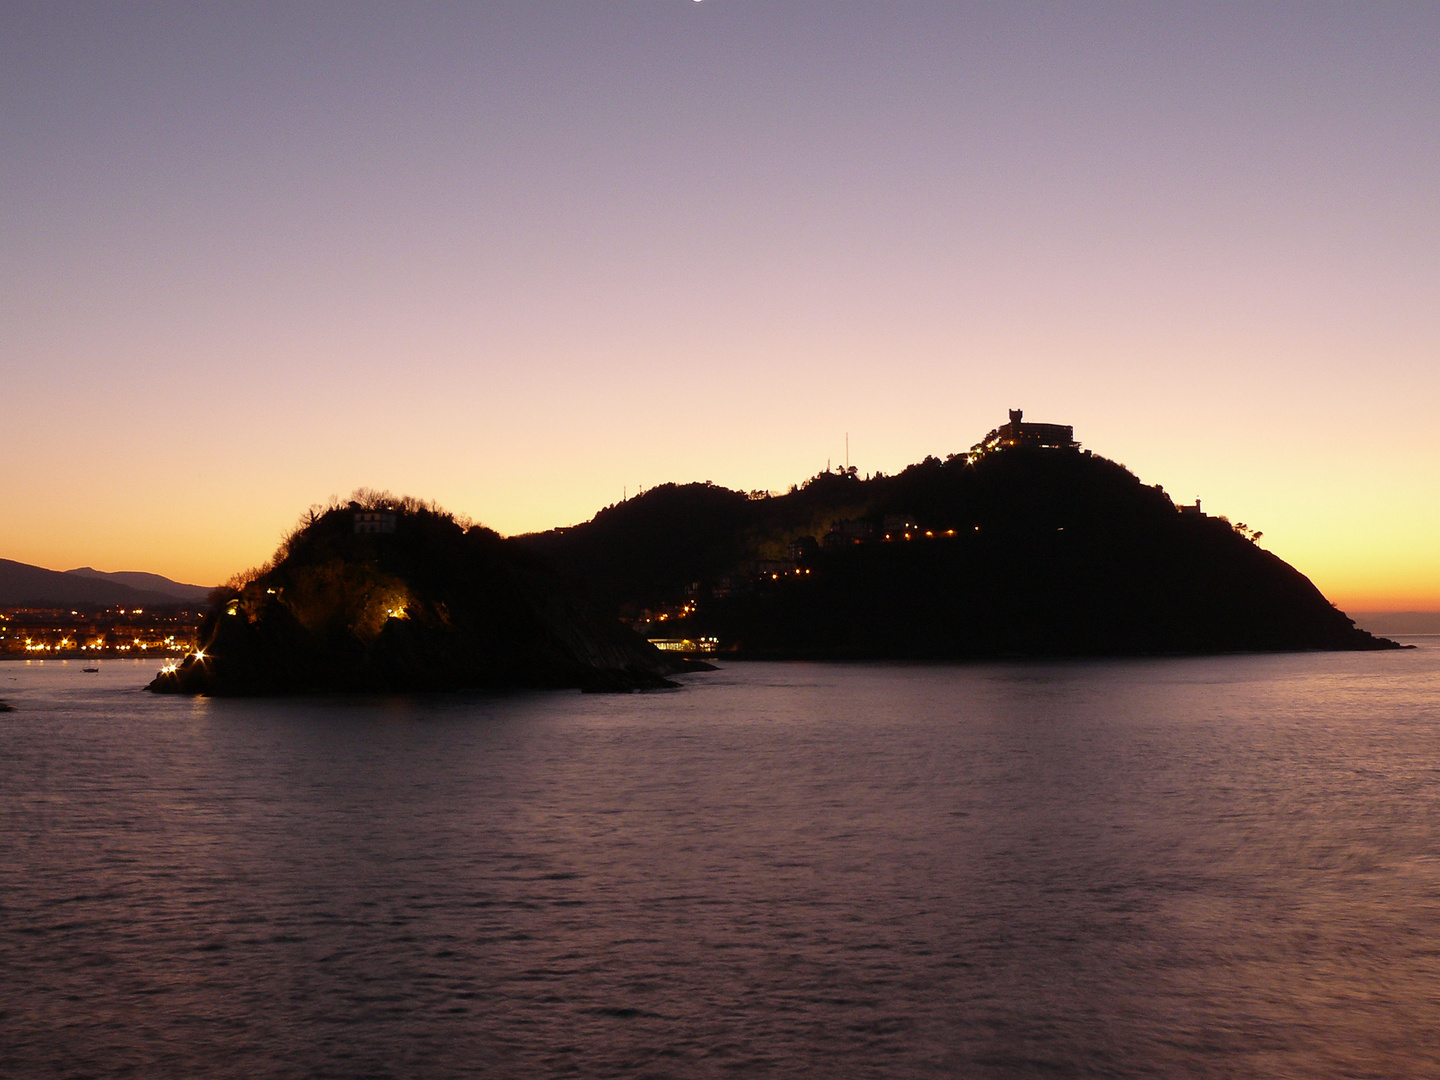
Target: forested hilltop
1023, 550
388, 593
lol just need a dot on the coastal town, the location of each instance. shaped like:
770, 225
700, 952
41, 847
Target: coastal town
92, 632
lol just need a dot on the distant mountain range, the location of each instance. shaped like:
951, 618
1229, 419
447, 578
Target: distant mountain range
23, 585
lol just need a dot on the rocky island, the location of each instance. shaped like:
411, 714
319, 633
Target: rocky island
387, 594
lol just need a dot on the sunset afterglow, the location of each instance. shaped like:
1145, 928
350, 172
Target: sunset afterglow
525, 259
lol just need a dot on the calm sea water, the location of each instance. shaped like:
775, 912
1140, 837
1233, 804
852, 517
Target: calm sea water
1197, 867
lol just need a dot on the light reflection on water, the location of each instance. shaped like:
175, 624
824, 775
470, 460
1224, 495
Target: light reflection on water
1153, 868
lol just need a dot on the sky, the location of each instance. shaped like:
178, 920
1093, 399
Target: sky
527, 258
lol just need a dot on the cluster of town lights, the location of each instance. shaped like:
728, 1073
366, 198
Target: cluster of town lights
687, 645
930, 534
66, 645
88, 634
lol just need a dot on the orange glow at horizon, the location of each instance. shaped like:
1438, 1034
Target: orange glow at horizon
1367, 551
521, 259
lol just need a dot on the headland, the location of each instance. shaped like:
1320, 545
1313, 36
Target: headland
1026, 546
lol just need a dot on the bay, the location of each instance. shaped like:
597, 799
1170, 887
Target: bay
1180, 867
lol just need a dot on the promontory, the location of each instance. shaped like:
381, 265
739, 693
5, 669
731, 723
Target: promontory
1026, 546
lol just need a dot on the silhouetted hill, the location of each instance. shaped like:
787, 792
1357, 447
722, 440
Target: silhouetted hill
390, 594
177, 591
1024, 551
23, 585
648, 549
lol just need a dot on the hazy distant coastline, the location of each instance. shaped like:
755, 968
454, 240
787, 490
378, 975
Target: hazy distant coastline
1404, 623
22, 584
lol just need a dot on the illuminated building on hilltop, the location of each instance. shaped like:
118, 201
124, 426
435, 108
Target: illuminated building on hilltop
1018, 433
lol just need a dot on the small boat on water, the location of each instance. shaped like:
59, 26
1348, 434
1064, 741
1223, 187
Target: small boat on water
90, 669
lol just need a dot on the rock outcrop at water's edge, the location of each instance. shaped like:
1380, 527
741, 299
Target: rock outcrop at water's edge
393, 595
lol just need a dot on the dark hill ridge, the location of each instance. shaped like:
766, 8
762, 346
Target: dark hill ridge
1024, 551
23, 585
177, 591
391, 595
648, 549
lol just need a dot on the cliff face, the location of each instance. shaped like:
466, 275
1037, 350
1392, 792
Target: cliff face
431, 605
1033, 552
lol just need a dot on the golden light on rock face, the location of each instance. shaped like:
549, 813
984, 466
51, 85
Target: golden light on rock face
390, 602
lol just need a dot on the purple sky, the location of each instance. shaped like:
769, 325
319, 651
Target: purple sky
522, 257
